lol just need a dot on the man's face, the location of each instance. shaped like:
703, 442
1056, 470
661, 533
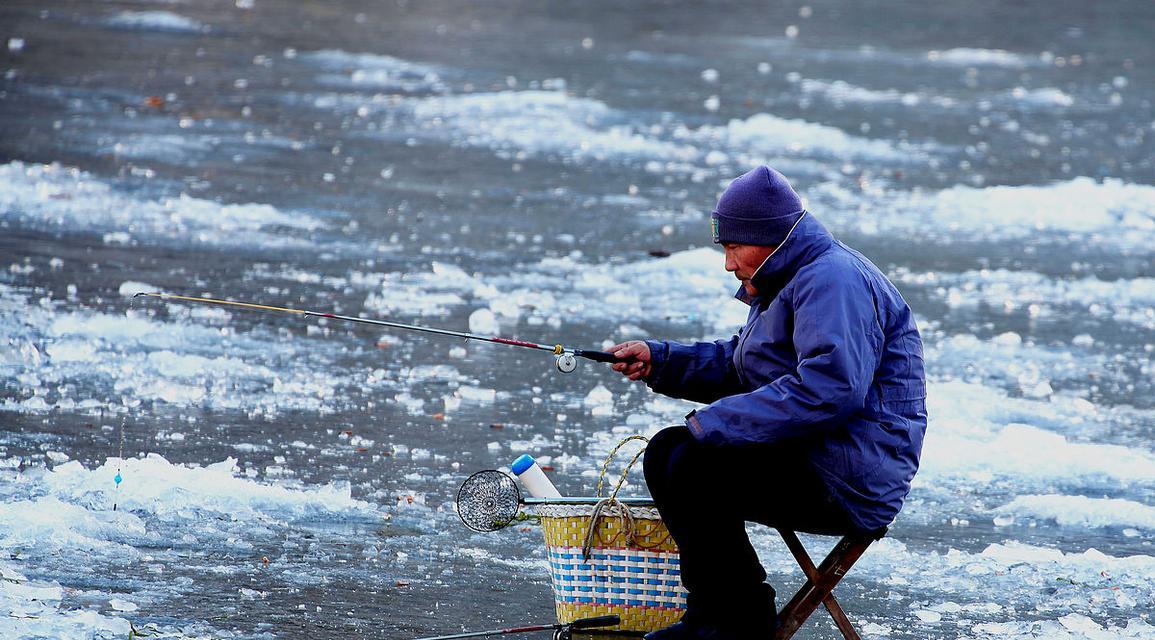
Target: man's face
744, 259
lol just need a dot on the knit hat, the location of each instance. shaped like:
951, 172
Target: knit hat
758, 207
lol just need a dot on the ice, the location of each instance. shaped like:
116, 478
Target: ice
62, 520
374, 71
18, 351
840, 91
1029, 426
417, 293
965, 56
174, 148
122, 605
771, 135
599, 396
971, 421
52, 524
57, 197
1129, 300
477, 394
1110, 212
1049, 97
928, 616
156, 21
542, 122
600, 402
686, 286
1038, 584
130, 288
484, 322
1082, 511
176, 363
411, 403
33, 617
154, 486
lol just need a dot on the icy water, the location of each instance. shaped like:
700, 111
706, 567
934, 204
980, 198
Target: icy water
545, 170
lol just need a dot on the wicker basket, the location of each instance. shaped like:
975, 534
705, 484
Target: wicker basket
625, 564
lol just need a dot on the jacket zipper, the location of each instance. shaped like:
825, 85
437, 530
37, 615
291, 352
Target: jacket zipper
740, 365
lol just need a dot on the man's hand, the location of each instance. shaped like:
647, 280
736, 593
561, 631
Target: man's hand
637, 359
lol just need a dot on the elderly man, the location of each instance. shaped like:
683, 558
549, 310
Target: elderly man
815, 411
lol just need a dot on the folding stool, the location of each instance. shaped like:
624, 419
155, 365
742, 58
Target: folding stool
820, 582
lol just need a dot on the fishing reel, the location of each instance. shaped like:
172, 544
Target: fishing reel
566, 362
567, 358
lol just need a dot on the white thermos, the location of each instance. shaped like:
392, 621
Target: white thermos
534, 479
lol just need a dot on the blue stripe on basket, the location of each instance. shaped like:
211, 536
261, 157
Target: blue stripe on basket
616, 578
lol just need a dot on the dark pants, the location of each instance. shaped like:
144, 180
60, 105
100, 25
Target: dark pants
707, 493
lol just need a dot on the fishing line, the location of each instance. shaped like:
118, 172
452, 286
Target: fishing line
129, 405
565, 358
119, 462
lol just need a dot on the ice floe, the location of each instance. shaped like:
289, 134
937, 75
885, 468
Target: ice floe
373, 71
56, 197
156, 21
1081, 511
1126, 300
842, 91
546, 291
1109, 212
542, 122
140, 358
968, 56
771, 135
50, 517
155, 487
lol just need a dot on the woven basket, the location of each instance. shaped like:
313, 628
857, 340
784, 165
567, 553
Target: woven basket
626, 564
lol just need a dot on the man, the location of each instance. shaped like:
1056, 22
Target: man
815, 411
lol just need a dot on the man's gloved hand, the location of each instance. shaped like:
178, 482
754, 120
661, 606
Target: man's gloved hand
637, 356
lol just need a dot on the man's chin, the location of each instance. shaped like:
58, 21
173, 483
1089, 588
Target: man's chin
749, 288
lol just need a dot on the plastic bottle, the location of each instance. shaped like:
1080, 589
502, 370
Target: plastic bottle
534, 479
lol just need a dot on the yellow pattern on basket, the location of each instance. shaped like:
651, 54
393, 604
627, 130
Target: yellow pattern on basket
617, 557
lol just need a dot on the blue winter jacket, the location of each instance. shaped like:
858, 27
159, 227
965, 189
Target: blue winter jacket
829, 359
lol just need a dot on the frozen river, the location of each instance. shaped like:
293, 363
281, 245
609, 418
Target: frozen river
545, 170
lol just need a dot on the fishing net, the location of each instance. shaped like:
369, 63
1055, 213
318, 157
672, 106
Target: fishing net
488, 501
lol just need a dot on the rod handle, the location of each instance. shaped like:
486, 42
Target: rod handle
598, 356
597, 621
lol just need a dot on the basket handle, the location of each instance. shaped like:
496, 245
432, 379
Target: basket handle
626, 472
612, 500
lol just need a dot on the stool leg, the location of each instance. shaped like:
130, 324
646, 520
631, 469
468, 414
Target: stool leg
811, 572
820, 582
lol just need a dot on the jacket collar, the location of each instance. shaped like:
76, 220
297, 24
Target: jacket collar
806, 241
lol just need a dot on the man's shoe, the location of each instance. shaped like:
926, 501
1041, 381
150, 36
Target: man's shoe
684, 631
676, 631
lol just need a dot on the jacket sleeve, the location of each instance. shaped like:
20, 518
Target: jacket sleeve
702, 372
838, 342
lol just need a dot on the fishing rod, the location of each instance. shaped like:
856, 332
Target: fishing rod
560, 631
565, 358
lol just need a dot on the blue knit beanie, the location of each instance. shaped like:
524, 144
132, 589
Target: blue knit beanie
758, 207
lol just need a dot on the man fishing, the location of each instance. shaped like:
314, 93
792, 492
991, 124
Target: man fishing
815, 412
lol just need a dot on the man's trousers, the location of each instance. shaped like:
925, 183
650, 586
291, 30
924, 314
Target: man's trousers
706, 494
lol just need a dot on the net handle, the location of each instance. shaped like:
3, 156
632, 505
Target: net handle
625, 472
